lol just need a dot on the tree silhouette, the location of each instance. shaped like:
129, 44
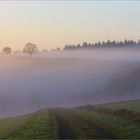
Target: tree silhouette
103, 44
7, 50
30, 49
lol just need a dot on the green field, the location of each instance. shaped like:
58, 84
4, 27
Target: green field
120, 120
133, 105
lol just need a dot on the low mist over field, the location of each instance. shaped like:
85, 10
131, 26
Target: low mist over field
68, 79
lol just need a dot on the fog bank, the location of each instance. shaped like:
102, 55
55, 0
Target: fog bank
67, 79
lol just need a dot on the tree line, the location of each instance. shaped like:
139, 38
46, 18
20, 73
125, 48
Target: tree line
107, 44
29, 49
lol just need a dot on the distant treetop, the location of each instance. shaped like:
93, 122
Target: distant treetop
107, 44
7, 50
30, 49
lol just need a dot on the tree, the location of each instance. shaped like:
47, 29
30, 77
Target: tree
58, 49
7, 50
30, 49
139, 42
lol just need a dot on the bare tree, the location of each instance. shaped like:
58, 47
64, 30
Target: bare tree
30, 49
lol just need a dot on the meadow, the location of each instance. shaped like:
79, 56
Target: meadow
103, 121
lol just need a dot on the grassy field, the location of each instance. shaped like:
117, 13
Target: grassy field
10, 125
129, 105
107, 121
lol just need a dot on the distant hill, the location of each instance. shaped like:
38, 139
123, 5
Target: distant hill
128, 83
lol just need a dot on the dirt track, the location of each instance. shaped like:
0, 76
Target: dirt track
65, 132
84, 125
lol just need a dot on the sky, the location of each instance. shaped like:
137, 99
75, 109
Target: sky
53, 24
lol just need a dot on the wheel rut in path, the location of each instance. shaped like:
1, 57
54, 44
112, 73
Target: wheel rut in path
65, 131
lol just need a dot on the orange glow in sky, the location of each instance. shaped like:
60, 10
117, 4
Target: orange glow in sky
54, 24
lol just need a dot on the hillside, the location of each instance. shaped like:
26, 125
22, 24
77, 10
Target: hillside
113, 120
132, 105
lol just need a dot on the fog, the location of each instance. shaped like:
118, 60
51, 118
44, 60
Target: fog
67, 79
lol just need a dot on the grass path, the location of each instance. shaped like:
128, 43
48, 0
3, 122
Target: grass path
60, 123
72, 125
64, 130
